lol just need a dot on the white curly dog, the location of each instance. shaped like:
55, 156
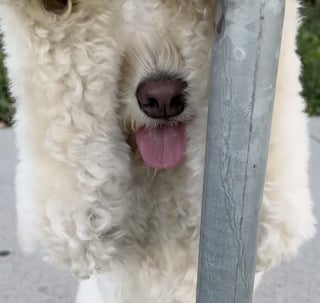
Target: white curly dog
111, 110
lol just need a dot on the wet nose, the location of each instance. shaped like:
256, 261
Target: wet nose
162, 99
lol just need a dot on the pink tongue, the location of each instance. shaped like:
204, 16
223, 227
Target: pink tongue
162, 147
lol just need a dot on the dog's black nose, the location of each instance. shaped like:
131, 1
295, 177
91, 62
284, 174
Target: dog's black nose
162, 99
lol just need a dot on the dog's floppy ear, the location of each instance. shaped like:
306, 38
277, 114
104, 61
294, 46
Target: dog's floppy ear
56, 6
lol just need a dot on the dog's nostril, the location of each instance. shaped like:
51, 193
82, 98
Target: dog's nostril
177, 101
152, 102
161, 99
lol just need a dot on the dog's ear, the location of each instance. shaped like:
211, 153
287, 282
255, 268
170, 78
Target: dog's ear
56, 6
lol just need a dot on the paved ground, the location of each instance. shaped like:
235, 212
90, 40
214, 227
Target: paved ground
25, 279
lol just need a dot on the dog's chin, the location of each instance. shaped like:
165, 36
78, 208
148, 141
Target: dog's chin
161, 146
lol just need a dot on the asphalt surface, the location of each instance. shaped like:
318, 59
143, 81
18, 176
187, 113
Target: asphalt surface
26, 279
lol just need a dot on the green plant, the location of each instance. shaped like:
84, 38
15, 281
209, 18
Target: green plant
6, 104
309, 50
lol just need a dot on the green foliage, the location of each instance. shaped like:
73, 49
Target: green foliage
309, 50
6, 104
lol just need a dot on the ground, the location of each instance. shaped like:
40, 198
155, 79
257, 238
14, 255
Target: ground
26, 279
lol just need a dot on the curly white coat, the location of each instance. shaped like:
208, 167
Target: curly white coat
84, 196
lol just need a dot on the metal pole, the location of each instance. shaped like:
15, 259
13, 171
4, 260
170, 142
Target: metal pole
245, 58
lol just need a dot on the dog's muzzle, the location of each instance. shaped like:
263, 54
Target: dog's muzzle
162, 98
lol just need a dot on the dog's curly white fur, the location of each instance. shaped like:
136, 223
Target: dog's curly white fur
85, 197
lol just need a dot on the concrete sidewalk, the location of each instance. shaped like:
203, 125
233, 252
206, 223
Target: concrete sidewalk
26, 279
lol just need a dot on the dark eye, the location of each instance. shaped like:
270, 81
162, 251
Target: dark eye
56, 6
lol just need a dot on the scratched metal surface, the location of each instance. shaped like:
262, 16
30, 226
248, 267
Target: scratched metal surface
245, 61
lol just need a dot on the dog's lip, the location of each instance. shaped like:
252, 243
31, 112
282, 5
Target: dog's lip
173, 121
132, 141
169, 122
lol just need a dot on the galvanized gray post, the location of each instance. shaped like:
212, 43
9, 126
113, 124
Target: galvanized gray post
245, 59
